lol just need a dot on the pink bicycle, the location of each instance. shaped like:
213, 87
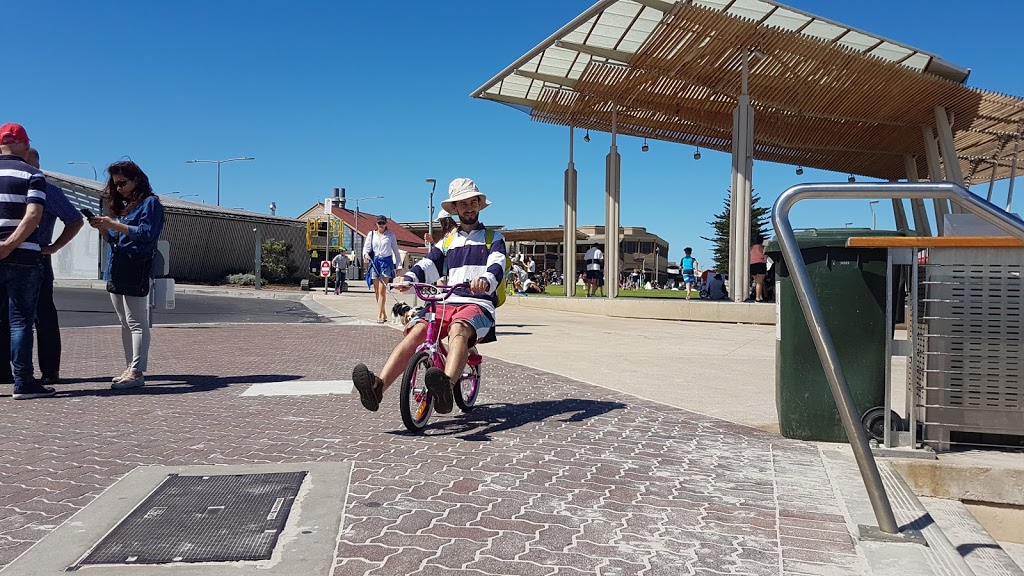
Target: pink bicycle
416, 400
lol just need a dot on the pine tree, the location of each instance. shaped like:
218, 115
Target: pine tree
759, 225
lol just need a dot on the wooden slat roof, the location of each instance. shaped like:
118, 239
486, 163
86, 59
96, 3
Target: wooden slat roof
849, 103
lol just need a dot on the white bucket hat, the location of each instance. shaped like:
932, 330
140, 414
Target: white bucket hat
462, 189
442, 215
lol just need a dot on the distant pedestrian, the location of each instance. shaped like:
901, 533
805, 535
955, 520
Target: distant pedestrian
380, 253
447, 223
690, 270
758, 266
594, 261
22, 200
47, 324
131, 230
340, 265
531, 266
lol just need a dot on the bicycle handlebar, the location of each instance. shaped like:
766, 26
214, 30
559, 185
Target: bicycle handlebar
430, 292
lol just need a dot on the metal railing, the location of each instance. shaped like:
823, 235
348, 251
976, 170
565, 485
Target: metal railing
808, 300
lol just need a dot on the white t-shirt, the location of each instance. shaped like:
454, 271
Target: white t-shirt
383, 245
594, 258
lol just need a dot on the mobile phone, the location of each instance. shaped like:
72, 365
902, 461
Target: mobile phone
86, 212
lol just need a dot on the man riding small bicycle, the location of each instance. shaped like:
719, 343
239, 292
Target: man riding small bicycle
467, 316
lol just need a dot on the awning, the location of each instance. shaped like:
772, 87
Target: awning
825, 95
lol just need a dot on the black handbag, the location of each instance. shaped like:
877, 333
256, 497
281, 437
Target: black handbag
129, 274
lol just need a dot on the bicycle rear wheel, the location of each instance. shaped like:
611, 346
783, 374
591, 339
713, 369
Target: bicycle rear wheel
467, 389
416, 402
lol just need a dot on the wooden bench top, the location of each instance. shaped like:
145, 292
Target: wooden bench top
934, 242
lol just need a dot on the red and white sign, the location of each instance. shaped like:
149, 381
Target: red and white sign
325, 268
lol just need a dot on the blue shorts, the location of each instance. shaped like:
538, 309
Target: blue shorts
381, 267
689, 279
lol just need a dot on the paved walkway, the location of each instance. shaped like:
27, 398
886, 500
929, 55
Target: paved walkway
550, 475
722, 370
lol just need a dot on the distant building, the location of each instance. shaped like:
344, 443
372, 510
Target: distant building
639, 249
356, 226
207, 242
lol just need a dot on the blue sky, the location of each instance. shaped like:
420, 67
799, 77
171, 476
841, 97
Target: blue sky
374, 97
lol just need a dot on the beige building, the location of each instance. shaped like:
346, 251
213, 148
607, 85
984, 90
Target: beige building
639, 249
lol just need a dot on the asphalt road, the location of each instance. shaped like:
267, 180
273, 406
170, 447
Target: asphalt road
80, 307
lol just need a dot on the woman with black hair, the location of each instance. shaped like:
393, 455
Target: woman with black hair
133, 225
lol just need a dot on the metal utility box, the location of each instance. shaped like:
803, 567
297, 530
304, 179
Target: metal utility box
967, 374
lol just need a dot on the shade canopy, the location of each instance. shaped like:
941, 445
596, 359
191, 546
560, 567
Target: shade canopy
824, 95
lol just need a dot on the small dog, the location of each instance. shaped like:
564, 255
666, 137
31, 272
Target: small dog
404, 313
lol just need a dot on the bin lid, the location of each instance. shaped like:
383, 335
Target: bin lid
831, 237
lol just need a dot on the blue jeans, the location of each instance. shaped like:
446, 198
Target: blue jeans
22, 282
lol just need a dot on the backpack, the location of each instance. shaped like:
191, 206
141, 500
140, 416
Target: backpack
500, 291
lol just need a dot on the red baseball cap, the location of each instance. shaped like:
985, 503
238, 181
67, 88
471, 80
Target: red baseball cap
12, 133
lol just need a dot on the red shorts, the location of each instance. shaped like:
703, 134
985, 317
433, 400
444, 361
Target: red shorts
475, 316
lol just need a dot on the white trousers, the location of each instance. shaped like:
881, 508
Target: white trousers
133, 311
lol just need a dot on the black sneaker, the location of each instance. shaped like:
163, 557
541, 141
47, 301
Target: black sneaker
370, 387
35, 390
440, 387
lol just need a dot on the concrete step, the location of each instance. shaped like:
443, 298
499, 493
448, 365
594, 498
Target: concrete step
938, 558
982, 553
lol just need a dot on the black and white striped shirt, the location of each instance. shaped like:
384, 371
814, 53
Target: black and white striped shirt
20, 185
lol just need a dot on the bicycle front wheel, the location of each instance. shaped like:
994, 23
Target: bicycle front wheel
416, 402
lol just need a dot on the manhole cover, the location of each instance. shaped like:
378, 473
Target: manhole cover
225, 518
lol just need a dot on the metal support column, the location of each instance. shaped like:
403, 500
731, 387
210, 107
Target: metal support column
995, 167
1013, 173
612, 242
931, 150
741, 188
950, 161
917, 205
569, 241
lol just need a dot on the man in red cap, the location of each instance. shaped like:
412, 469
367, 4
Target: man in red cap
22, 198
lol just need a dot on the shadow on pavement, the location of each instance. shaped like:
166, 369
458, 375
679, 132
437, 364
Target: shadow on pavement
158, 384
487, 419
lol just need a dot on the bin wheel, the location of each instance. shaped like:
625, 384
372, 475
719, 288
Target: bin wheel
874, 422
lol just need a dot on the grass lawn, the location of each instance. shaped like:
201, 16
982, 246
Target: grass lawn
581, 292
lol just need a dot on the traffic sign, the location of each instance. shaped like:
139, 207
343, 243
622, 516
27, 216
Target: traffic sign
325, 268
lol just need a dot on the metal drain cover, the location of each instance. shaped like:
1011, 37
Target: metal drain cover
225, 518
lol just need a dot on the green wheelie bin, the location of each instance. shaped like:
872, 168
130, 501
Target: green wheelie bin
850, 286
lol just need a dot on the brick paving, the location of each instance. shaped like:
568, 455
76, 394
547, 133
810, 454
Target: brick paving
549, 476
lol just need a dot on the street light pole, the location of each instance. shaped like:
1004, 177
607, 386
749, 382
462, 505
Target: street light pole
218, 163
95, 176
430, 221
657, 256
357, 221
874, 222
